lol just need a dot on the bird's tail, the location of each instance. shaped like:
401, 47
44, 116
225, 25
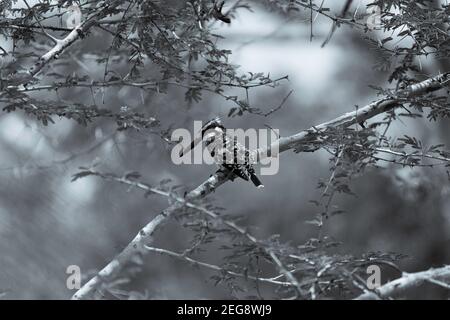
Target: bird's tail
256, 181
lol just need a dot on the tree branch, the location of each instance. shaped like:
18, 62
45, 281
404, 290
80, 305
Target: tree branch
185, 202
55, 40
145, 236
408, 281
358, 116
73, 36
194, 262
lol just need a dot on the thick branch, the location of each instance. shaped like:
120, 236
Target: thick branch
358, 116
408, 281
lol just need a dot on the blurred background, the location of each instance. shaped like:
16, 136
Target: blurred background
48, 222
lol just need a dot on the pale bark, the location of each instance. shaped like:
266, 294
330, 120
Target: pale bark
408, 281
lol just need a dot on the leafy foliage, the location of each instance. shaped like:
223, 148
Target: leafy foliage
160, 46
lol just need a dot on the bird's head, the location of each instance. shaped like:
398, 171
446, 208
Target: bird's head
206, 131
212, 124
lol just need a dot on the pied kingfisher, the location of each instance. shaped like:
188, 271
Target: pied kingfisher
227, 152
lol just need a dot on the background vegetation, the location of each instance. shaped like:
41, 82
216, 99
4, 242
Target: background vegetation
106, 95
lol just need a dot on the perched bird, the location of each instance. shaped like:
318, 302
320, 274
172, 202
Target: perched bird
227, 152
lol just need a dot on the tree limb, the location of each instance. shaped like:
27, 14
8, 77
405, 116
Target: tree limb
408, 281
358, 116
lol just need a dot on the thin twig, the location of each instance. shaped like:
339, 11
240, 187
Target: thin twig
279, 106
55, 40
182, 256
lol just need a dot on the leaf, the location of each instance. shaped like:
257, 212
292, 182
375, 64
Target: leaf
404, 33
132, 175
231, 112
386, 40
81, 174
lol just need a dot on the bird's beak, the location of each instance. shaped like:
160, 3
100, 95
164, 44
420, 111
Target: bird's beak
191, 146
